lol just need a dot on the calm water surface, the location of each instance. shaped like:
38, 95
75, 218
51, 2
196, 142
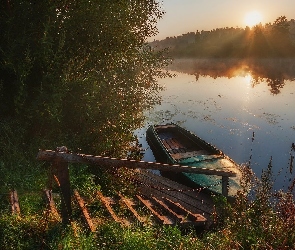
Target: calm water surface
229, 113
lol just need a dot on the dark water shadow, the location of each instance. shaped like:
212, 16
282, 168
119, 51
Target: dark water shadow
275, 72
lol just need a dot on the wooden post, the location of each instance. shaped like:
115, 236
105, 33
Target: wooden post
50, 203
225, 185
14, 202
60, 171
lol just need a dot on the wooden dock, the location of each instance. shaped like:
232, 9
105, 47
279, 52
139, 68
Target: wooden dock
168, 201
155, 198
194, 205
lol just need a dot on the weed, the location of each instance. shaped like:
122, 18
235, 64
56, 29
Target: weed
259, 217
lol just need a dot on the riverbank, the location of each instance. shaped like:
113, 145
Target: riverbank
265, 219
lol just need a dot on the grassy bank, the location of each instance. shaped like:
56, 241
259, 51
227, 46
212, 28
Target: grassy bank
259, 219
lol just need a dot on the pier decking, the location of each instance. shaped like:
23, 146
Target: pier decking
163, 200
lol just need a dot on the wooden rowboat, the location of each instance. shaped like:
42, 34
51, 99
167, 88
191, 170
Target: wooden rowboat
173, 144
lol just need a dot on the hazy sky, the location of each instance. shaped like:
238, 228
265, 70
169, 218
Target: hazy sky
184, 16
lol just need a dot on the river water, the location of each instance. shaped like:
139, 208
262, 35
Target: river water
242, 113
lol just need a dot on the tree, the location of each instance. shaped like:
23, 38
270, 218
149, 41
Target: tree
281, 25
280, 39
259, 44
78, 69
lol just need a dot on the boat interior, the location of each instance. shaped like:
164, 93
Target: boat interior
178, 145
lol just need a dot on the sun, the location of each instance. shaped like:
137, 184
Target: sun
252, 18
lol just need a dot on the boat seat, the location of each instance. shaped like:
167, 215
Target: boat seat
172, 144
177, 150
187, 154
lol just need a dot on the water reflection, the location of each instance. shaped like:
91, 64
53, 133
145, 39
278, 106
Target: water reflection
274, 72
226, 111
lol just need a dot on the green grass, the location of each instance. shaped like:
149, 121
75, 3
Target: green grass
245, 227
259, 219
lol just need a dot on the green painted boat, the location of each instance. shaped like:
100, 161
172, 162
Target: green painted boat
173, 144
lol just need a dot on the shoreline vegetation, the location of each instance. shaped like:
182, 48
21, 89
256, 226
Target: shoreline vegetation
271, 40
72, 74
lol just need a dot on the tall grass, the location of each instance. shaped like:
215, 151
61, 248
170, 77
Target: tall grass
260, 218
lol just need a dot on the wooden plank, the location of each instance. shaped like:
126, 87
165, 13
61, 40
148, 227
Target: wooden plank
49, 155
164, 219
15, 208
152, 183
84, 210
170, 143
106, 202
197, 217
198, 202
51, 204
180, 218
175, 144
110, 200
187, 202
129, 203
165, 143
184, 216
108, 207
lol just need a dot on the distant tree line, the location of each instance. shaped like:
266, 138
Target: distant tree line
275, 39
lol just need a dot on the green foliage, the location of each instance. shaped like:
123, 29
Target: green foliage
73, 237
82, 179
79, 72
18, 167
16, 233
259, 219
113, 237
75, 73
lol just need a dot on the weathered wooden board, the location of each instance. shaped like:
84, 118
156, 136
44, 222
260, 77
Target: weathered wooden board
195, 201
107, 201
179, 217
129, 203
84, 210
60, 172
49, 155
163, 218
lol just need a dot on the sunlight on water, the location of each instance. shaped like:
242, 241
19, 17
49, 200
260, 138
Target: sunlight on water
248, 79
226, 111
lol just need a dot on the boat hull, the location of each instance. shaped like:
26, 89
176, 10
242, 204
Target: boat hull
173, 144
